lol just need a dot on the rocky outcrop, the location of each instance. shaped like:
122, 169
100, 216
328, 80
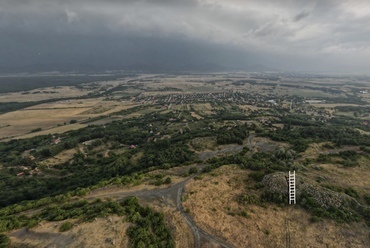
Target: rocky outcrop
276, 184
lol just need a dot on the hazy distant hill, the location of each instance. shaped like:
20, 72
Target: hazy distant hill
143, 67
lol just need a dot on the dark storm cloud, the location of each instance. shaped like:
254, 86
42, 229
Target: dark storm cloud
301, 15
303, 33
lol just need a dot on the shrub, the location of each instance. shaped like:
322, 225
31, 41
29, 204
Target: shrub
193, 170
36, 130
65, 226
168, 180
367, 199
248, 199
4, 241
257, 175
244, 214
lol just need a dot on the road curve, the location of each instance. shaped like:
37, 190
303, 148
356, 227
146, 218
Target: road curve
172, 194
198, 232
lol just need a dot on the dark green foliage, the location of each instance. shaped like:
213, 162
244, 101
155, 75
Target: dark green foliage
244, 214
149, 229
248, 199
193, 170
367, 199
8, 223
74, 210
257, 175
36, 130
65, 226
226, 115
87, 171
360, 110
167, 180
349, 191
233, 135
81, 209
73, 121
301, 137
348, 158
4, 241
278, 198
341, 215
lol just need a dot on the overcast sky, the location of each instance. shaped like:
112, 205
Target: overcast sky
331, 35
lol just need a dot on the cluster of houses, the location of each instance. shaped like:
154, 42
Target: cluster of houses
27, 171
238, 97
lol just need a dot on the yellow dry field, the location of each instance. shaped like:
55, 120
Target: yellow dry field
52, 116
250, 107
92, 107
183, 84
60, 158
212, 204
203, 108
279, 125
83, 103
334, 174
331, 105
195, 115
23, 121
56, 130
102, 232
315, 149
61, 92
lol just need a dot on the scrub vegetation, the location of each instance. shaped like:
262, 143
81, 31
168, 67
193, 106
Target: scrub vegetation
247, 123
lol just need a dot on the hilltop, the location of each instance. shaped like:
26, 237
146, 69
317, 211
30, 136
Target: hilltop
186, 160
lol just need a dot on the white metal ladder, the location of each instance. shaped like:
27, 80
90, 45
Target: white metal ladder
291, 187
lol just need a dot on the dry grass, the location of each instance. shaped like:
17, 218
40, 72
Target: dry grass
94, 234
57, 130
62, 157
332, 105
204, 108
21, 122
334, 174
212, 205
250, 107
52, 116
62, 92
203, 144
195, 115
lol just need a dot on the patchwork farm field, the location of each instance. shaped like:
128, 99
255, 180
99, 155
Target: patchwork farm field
55, 117
196, 160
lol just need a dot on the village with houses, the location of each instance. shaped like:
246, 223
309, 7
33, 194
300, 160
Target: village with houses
172, 141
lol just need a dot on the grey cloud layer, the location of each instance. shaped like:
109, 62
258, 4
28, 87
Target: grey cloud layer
333, 33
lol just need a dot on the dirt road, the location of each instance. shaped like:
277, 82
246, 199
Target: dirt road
171, 196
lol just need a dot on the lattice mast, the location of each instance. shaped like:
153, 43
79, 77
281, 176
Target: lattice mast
291, 182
